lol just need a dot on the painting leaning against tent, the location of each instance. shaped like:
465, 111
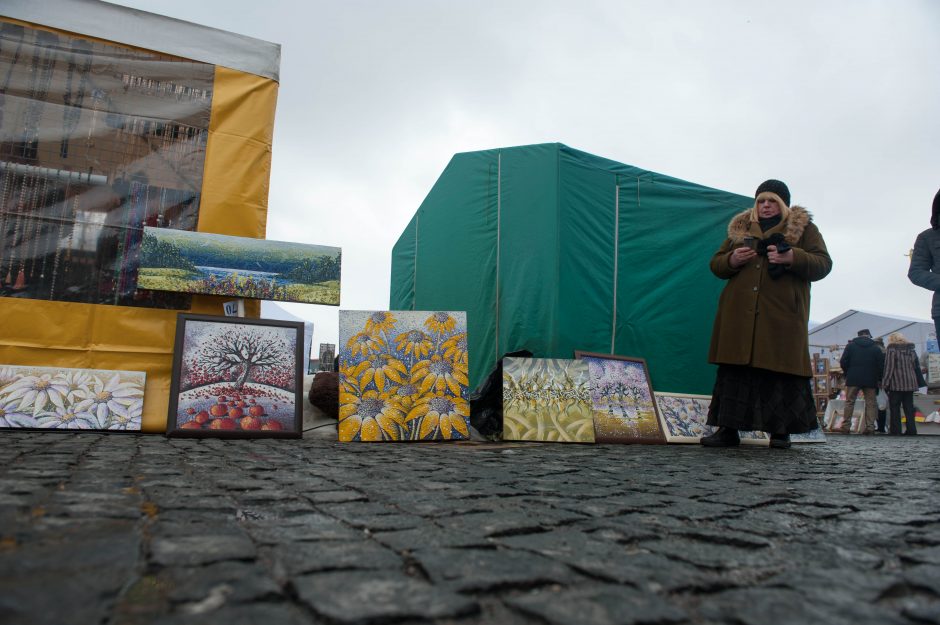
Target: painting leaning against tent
236, 377
546, 399
216, 264
70, 399
622, 399
684, 416
403, 376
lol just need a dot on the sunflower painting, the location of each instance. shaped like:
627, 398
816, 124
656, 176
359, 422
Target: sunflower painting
546, 400
52, 398
622, 399
403, 376
684, 417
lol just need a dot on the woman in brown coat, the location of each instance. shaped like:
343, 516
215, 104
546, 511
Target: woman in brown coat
902, 376
759, 339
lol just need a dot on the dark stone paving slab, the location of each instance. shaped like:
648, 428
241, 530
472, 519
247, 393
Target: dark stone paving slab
134, 529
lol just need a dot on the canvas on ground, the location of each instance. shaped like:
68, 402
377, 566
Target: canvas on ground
684, 418
546, 399
70, 399
403, 376
235, 377
216, 264
622, 399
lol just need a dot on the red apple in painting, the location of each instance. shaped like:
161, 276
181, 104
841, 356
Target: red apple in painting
256, 411
250, 423
251, 401
222, 424
191, 425
236, 413
218, 410
190, 411
272, 425
201, 417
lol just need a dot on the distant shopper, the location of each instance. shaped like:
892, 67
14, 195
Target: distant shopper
902, 377
924, 270
881, 398
772, 253
863, 363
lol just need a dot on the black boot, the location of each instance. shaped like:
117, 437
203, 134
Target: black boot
780, 441
724, 437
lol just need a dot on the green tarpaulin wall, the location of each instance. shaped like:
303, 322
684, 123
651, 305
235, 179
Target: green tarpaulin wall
552, 249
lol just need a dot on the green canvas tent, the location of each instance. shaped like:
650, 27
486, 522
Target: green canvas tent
552, 249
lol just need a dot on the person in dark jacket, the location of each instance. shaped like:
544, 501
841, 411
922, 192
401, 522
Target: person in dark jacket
924, 270
863, 363
902, 376
772, 253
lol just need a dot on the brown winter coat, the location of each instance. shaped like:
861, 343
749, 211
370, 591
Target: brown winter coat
763, 322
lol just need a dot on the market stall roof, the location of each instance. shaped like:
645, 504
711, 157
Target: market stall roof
841, 329
151, 31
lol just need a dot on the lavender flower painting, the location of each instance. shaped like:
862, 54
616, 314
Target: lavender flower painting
622, 399
684, 417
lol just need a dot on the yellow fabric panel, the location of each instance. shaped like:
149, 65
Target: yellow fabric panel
234, 201
238, 155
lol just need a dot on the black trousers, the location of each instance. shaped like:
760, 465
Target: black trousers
896, 399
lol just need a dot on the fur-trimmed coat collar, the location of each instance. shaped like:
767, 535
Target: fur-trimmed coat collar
740, 225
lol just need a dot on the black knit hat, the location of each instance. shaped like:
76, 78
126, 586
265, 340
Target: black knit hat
774, 186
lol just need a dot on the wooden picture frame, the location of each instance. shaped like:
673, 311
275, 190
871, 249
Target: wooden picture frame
821, 366
821, 384
622, 399
215, 392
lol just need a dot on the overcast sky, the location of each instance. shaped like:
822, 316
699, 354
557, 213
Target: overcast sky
839, 99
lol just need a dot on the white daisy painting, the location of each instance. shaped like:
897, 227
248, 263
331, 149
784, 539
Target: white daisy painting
52, 398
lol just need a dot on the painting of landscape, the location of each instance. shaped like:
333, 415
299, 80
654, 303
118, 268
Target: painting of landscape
548, 400
216, 264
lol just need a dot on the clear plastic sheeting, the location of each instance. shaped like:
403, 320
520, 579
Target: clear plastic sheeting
96, 141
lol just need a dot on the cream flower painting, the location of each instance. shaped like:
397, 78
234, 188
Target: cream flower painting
403, 376
70, 399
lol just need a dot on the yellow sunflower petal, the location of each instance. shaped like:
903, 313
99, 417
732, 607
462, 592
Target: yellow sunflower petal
418, 411
392, 374
446, 429
452, 385
460, 376
458, 424
427, 383
370, 430
429, 424
349, 427
380, 379
348, 398
347, 410
389, 425
367, 376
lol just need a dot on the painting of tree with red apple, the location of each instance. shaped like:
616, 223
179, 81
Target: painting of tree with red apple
237, 376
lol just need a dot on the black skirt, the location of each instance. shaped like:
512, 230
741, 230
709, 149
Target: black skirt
747, 398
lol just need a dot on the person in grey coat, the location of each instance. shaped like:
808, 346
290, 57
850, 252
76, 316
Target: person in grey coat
924, 270
863, 363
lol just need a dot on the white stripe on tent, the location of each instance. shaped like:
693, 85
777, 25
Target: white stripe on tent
499, 206
613, 316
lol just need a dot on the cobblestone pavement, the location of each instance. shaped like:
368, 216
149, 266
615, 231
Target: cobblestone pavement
122, 530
